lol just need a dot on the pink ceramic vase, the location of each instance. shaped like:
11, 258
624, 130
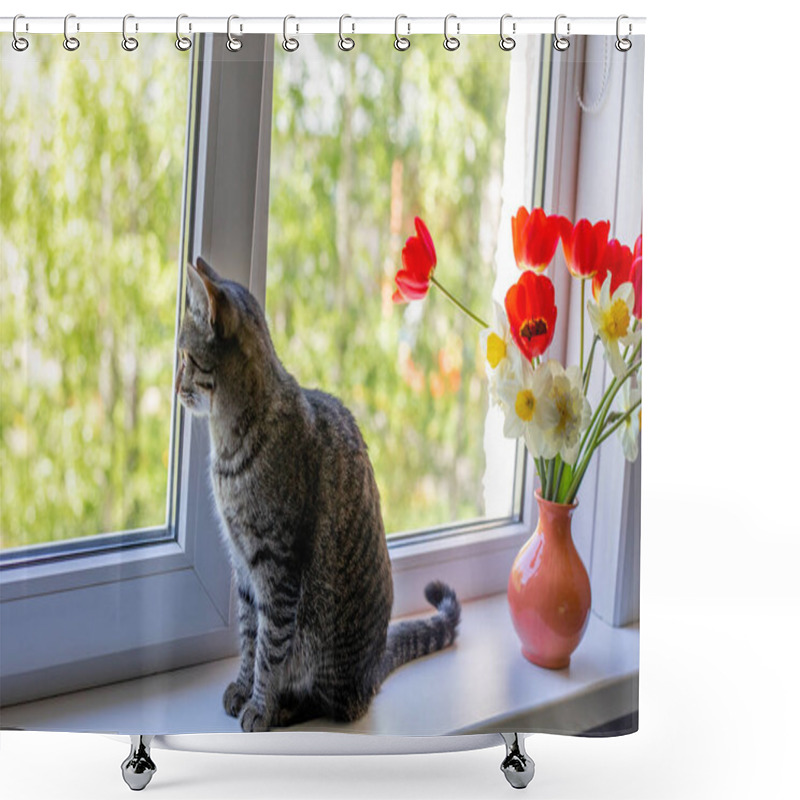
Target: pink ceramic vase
548, 590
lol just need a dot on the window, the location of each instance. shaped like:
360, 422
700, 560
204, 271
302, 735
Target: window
390, 136
163, 604
92, 161
604, 125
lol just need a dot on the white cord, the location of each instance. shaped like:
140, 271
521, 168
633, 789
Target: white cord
591, 109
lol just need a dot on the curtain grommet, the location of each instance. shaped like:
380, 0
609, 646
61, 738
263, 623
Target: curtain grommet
129, 43
401, 43
289, 44
560, 43
234, 43
182, 42
507, 42
70, 43
451, 43
345, 42
623, 44
19, 43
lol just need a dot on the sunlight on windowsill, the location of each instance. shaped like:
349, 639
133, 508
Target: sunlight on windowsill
482, 684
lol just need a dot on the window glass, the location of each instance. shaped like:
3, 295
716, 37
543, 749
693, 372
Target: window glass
91, 161
362, 142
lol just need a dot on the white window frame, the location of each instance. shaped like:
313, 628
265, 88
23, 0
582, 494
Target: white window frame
595, 171
123, 594
99, 617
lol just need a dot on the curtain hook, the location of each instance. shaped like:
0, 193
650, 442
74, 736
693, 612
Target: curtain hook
181, 42
622, 44
129, 43
345, 42
19, 43
70, 42
506, 42
234, 43
560, 42
400, 42
451, 42
289, 44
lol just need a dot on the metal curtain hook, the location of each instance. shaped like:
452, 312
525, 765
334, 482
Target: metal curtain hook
506, 42
289, 44
623, 44
70, 42
559, 42
234, 44
181, 42
345, 42
19, 43
451, 42
400, 42
128, 42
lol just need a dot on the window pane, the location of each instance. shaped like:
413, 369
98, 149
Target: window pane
362, 142
91, 161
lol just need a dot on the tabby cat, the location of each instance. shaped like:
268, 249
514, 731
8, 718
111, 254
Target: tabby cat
301, 517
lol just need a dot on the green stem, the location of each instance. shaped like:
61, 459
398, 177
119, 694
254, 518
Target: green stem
557, 488
588, 374
594, 422
540, 468
595, 427
619, 422
583, 291
550, 479
458, 303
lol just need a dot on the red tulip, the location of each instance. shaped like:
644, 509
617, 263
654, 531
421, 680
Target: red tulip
535, 238
584, 245
617, 260
531, 309
636, 278
419, 260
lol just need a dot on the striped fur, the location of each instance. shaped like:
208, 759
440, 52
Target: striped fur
301, 517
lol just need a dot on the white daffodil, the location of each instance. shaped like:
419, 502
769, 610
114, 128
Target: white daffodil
612, 320
502, 356
572, 410
525, 399
628, 431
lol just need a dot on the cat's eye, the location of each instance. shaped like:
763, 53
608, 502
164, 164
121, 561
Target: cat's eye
187, 357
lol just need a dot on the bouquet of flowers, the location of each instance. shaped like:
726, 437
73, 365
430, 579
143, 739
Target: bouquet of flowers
544, 401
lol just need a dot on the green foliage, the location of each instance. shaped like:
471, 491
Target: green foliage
361, 143
91, 161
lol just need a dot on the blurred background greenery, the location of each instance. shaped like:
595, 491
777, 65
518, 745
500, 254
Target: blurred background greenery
91, 160
362, 142
91, 164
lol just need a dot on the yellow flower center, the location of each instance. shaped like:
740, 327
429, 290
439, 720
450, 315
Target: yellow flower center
525, 405
495, 350
617, 320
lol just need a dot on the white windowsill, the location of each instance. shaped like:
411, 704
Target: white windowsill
481, 684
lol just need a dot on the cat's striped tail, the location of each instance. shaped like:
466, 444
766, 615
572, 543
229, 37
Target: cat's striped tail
410, 639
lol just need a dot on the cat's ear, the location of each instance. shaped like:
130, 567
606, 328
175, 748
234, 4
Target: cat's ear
206, 298
204, 268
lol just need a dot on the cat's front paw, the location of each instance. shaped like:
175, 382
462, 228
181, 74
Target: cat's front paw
234, 698
254, 719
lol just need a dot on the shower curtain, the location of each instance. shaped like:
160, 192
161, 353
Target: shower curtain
447, 239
